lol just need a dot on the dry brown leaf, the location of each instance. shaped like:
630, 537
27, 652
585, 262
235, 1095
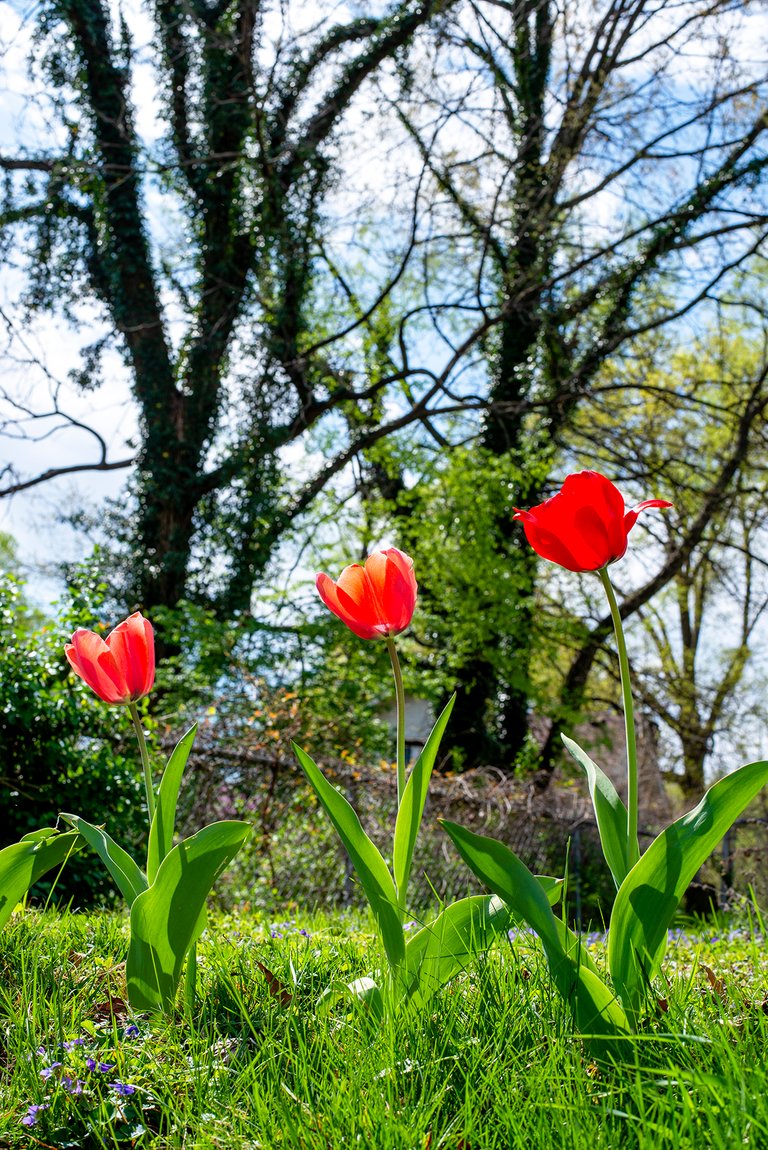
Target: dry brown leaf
717, 984
276, 988
114, 1008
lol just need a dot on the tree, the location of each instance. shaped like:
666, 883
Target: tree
593, 171
565, 179
246, 156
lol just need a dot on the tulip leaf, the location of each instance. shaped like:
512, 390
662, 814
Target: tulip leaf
128, 876
501, 870
411, 807
371, 869
598, 1015
168, 917
164, 821
552, 887
443, 948
610, 813
23, 863
40, 835
651, 892
362, 991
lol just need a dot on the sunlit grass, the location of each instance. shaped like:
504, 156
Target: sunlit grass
495, 1064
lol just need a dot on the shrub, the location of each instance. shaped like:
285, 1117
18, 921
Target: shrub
60, 747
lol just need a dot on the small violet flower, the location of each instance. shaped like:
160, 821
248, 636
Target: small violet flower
30, 1118
123, 1088
102, 1067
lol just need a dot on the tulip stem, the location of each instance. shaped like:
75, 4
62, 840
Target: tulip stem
633, 846
400, 700
136, 719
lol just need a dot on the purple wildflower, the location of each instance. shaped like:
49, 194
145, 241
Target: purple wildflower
47, 1071
30, 1118
123, 1088
131, 1030
73, 1043
102, 1067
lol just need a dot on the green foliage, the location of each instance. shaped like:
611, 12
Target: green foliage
168, 901
23, 863
369, 865
169, 917
129, 879
411, 809
495, 1063
477, 623
420, 965
610, 812
61, 747
598, 1014
472, 572
651, 892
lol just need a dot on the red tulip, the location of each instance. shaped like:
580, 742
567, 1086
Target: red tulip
120, 669
374, 600
585, 526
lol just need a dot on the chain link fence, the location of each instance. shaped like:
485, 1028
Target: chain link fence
294, 856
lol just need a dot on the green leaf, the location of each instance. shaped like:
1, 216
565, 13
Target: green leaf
552, 887
23, 863
651, 892
597, 1013
128, 876
168, 917
161, 831
610, 812
371, 869
40, 835
443, 948
501, 870
412, 804
362, 992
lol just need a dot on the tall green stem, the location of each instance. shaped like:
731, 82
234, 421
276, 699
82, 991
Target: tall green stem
633, 846
400, 700
136, 719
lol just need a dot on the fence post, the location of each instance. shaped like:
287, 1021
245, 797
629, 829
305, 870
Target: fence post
726, 867
576, 875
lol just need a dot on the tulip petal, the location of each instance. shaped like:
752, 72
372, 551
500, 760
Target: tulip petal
93, 661
374, 600
405, 585
402, 589
630, 519
375, 579
545, 542
132, 644
346, 610
596, 540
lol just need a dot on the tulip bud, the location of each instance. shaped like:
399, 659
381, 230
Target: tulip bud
375, 599
120, 668
585, 526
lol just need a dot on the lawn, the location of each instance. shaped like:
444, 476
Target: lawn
495, 1064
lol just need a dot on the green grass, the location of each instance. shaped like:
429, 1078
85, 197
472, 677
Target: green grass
495, 1064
